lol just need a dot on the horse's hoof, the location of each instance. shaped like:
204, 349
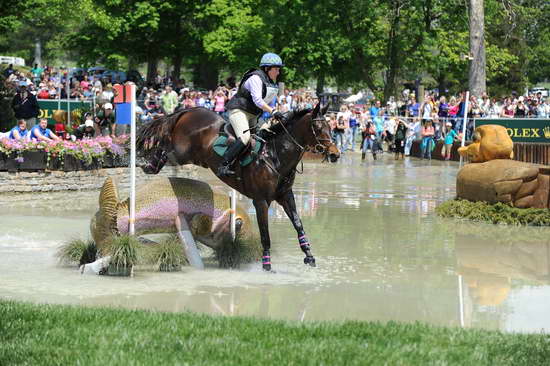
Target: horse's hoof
266, 267
310, 261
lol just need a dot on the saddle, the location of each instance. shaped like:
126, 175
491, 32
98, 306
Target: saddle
226, 137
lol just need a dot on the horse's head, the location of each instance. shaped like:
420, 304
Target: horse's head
320, 140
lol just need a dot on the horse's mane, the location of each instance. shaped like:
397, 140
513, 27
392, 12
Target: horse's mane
158, 132
291, 117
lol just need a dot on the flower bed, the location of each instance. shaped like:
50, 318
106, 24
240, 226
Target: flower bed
87, 154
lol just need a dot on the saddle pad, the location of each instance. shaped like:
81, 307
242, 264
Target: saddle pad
220, 147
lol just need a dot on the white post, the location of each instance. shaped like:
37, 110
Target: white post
68, 92
132, 159
461, 300
464, 122
233, 214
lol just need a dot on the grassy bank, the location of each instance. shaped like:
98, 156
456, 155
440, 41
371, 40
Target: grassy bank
61, 335
498, 213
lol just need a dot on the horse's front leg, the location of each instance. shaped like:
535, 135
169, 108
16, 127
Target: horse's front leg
156, 162
289, 205
262, 207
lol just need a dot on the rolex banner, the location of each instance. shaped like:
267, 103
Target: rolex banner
522, 130
77, 107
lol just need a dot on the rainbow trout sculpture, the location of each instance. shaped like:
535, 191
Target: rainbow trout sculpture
190, 208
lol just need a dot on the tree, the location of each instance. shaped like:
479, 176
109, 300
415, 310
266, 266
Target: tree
477, 79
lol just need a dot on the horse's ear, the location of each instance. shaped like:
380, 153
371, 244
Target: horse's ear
315, 112
325, 109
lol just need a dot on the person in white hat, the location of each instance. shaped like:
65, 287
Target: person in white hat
85, 130
105, 120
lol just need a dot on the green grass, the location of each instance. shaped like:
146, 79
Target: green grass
62, 335
498, 213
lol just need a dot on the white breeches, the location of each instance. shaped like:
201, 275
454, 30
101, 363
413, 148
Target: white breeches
242, 122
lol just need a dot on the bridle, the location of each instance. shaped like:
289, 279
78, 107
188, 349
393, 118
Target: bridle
319, 148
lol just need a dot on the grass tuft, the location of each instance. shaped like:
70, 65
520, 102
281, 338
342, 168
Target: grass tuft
245, 249
498, 213
168, 255
77, 251
125, 251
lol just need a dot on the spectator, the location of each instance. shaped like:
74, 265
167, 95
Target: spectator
427, 140
450, 137
339, 133
375, 108
25, 105
105, 120
400, 137
85, 130
9, 71
169, 101
41, 132
37, 73
369, 140
521, 109
219, 101
413, 107
20, 131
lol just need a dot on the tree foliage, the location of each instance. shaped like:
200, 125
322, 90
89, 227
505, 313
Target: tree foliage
380, 44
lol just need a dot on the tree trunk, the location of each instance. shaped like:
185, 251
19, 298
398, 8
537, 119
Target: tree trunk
477, 78
320, 83
177, 61
392, 53
152, 66
38, 52
206, 74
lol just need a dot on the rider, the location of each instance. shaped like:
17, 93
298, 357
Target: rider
257, 89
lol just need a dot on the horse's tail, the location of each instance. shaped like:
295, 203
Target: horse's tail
158, 133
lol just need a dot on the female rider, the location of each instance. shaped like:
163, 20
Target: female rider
257, 90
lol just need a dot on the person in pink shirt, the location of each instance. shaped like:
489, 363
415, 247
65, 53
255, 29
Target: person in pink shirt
219, 102
428, 143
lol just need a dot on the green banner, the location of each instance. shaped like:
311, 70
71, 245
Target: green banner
48, 107
522, 129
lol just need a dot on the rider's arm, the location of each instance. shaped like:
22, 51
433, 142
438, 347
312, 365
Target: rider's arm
255, 86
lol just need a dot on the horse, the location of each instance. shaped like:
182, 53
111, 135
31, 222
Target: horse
187, 137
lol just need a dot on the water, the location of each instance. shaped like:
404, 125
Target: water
381, 251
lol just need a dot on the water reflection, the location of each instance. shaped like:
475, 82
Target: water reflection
497, 264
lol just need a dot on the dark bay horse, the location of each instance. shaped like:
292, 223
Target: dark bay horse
188, 137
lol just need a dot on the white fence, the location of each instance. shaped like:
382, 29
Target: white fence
12, 60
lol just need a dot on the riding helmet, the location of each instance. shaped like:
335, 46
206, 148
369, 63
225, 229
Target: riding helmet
271, 59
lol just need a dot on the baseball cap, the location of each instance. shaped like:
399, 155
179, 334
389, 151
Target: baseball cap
89, 123
23, 83
107, 106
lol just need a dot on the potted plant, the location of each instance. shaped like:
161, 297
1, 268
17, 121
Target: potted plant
77, 251
168, 255
125, 253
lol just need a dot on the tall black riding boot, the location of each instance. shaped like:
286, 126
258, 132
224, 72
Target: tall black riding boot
229, 156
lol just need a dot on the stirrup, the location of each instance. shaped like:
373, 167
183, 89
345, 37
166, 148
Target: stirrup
225, 171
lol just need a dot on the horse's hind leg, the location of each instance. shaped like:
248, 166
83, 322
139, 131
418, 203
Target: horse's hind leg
261, 207
289, 205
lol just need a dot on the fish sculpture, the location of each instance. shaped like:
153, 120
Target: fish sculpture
164, 205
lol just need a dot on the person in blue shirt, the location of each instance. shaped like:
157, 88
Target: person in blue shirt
413, 107
450, 137
41, 132
374, 110
20, 131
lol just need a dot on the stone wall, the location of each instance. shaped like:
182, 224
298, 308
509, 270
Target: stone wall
55, 181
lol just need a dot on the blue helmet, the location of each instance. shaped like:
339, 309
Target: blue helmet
271, 59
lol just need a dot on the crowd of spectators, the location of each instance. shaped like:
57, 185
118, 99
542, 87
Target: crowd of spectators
369, 125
